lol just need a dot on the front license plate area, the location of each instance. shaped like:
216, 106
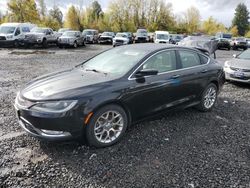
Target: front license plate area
239, 74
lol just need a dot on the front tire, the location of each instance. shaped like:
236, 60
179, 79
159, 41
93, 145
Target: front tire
75, 44
44, 43
209, 97
107, 126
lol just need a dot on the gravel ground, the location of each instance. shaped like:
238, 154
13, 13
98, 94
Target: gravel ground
180, 149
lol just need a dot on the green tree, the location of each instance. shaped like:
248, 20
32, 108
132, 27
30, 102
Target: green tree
192, 17
23, 11
247, 34
211, 26
56, 13
234, 31
42, 9
72, 19
240, 19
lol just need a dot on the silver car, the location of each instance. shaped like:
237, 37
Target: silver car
71, 38
238, 68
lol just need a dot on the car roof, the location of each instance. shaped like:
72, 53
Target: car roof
151, 47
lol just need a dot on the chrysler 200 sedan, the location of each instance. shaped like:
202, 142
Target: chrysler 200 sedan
98, 99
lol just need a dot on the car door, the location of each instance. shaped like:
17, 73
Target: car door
194, 74
157, 92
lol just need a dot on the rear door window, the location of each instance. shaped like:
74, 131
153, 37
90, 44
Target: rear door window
163, 62
189, 59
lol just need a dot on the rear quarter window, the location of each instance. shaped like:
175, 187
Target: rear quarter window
203, 59
189, 59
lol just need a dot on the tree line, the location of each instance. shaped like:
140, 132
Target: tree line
124, 15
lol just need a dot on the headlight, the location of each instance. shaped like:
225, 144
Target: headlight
9, 36
55, 106
226, 65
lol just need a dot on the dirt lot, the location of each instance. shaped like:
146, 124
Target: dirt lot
181, 149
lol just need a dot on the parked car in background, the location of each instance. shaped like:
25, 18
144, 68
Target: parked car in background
62, 30
100, 98
161, 37
40, 36
175, 39
141, 36
130, 36
248, 42
223, 43
238, 43
222, 35
121, 39
71, 38
238, 68
90, 35
106, 37
12, 34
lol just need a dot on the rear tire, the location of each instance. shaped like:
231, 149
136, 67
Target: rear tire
208, 99
107, 126
16, 44
75, 44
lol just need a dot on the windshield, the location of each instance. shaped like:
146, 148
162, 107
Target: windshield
63, 30
162, 36
141, 31
88, 32
7, 29
38, 30
69, 34
244, 55
107, 34
240, 39
116, 61
121, 35
226, 36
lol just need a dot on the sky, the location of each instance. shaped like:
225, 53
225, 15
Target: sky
221, 10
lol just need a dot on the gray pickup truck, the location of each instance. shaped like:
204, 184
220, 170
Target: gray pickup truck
40, 36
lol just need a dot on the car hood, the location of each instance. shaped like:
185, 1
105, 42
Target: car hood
65, 85
120, 38
66, 37
106, 37
239, 63
35, 34
141, 34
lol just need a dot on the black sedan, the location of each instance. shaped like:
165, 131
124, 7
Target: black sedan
223, 44
101, 97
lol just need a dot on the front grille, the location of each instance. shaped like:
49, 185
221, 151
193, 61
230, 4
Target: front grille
162, 42
141, 38
120, 41
239, 69
244, 43
2, 38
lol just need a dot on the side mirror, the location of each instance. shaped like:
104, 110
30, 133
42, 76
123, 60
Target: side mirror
234, 55
146, 72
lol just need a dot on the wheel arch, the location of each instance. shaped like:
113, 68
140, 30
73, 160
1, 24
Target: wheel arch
118, 103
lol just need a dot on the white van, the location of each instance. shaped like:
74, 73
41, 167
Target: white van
161, 37
11, 34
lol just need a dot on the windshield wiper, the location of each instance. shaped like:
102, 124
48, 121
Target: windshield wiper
97, 71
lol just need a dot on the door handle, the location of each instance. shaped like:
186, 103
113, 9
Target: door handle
175, 76
204, 71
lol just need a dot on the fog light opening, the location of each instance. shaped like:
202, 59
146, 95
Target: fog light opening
52, 132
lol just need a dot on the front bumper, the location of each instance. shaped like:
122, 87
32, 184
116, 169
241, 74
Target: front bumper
32, 41
6, 43
234, 76
51, 127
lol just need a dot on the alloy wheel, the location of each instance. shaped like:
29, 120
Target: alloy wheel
108, 127
210, 97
